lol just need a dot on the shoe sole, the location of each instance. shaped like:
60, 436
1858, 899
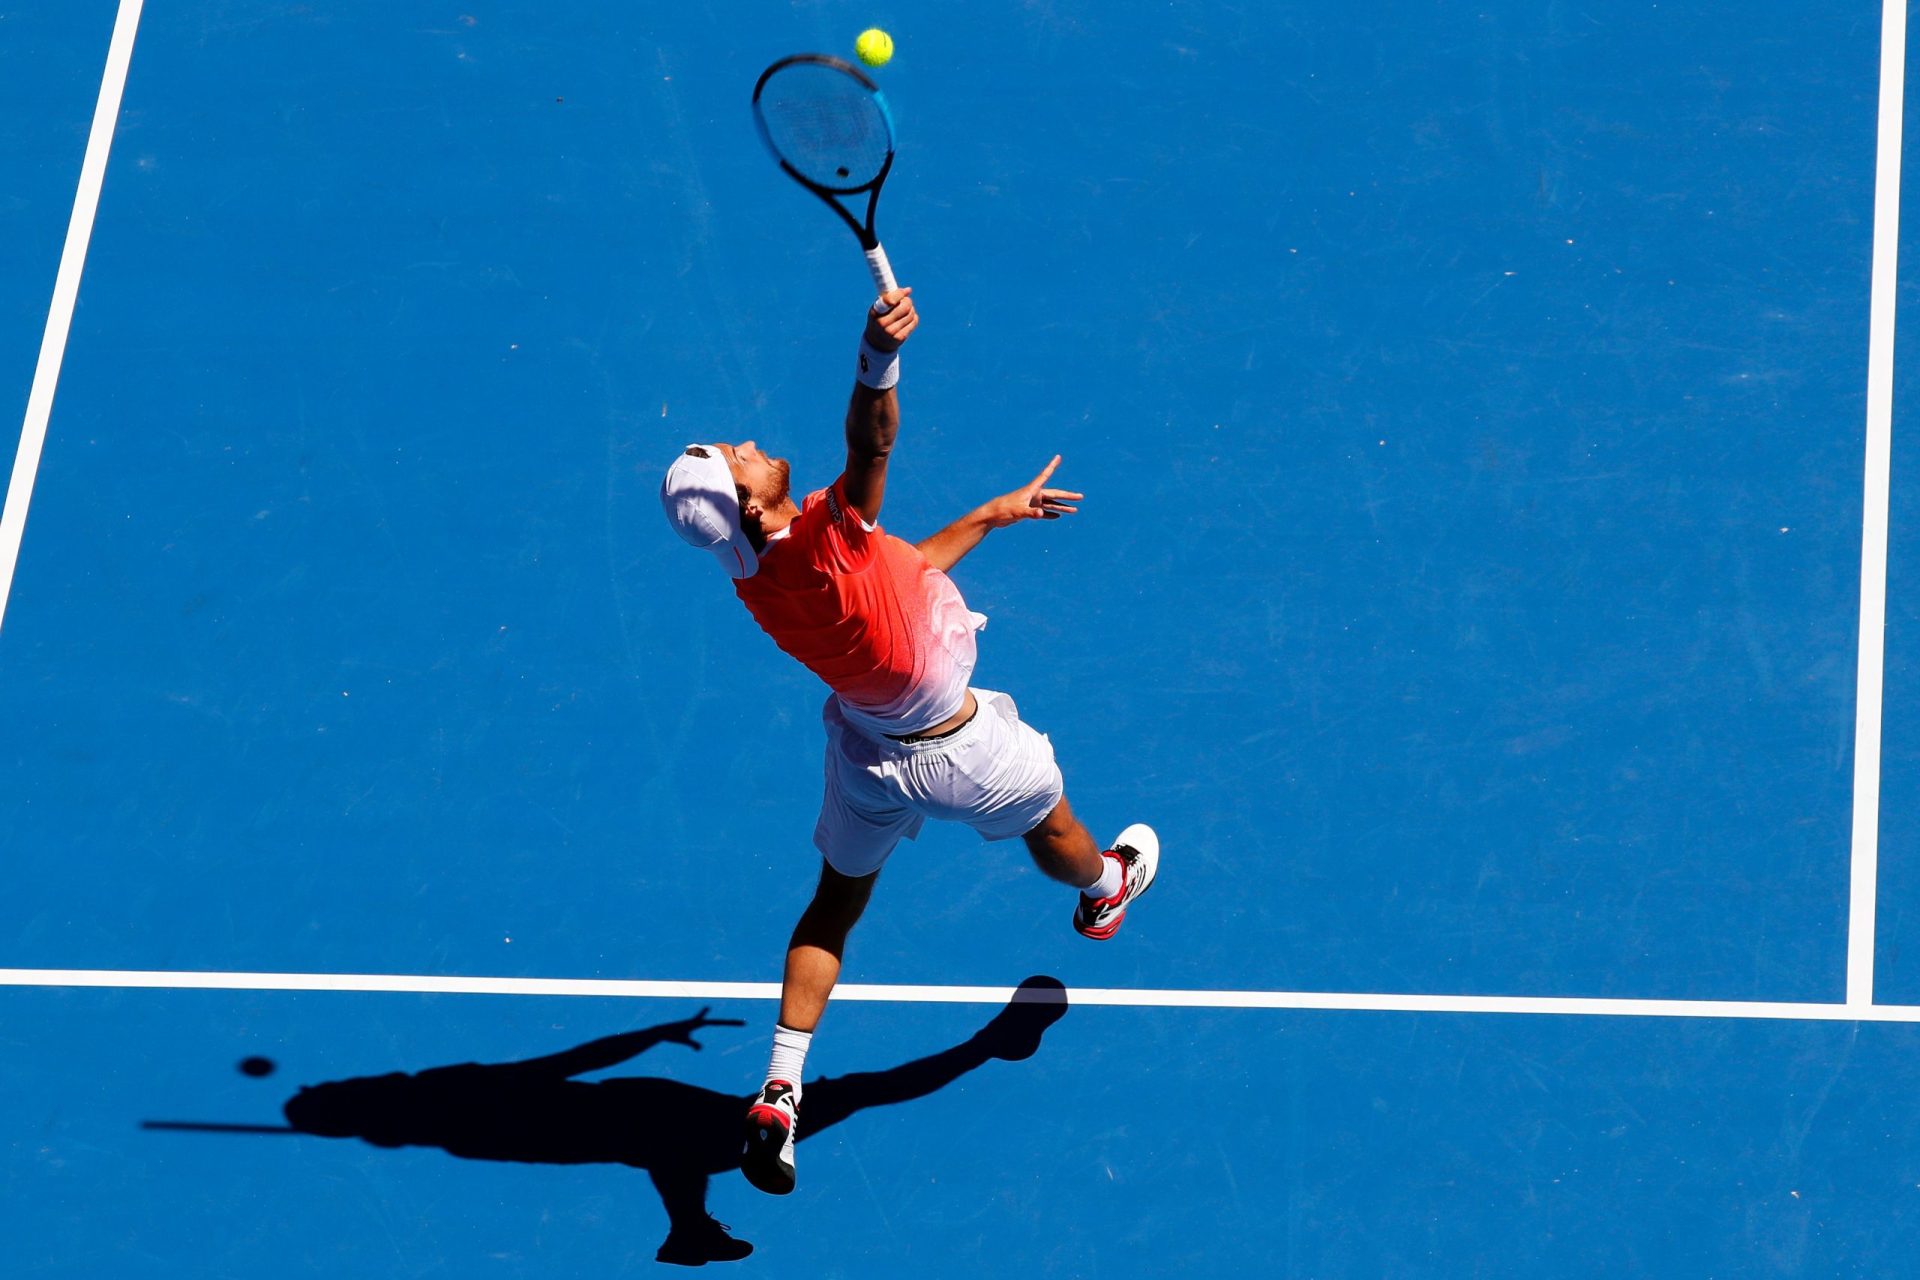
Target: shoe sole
760, 1163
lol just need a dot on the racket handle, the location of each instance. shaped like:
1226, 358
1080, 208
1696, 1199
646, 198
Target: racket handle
882, 270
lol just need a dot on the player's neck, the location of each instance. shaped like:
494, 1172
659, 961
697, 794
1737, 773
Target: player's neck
779, 518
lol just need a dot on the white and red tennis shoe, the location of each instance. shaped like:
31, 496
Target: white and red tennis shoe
1139, 852
771, 1120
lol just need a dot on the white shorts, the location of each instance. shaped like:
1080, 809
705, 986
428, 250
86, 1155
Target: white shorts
995, 773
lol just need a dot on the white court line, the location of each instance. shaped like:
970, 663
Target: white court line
1864, 878
1360, 1002
66, 289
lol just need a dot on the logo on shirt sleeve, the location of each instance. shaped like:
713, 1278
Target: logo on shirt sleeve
833, 507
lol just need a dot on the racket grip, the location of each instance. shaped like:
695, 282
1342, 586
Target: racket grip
882, 270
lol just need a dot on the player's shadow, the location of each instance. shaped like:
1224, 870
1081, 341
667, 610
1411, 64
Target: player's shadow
681, 1134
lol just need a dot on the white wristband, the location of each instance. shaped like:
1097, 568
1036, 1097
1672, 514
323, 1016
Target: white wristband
878, 369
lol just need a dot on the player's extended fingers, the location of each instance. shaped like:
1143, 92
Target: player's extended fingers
1046, 509
1045, 471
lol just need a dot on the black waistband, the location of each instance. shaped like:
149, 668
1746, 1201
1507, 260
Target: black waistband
935, 737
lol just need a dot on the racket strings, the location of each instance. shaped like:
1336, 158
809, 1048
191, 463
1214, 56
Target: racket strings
826, 125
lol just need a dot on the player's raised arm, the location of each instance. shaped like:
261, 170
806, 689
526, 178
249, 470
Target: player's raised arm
1031, 501
873, 415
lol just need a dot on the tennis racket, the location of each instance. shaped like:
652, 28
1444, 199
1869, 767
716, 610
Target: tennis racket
829, 128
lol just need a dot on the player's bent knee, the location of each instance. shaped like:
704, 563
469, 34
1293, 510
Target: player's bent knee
839, 899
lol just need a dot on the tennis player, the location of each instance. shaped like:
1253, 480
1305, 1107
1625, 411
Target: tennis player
908, 739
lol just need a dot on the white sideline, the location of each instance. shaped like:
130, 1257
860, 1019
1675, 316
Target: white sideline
1864, 876
66, 289
1355, 1001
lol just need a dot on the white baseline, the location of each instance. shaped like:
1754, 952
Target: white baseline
1353, 1001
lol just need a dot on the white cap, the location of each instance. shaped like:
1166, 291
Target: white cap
703, 506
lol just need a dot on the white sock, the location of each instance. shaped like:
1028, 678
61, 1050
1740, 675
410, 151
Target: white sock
789, 1056
1109, 882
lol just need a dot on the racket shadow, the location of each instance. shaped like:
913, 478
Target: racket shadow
534, 1112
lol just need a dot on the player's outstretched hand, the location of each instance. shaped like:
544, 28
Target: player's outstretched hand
886, 330
1032, 501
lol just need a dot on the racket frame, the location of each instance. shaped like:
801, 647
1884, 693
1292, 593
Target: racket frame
877, 264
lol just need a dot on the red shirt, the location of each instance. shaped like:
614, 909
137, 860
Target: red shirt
867, 613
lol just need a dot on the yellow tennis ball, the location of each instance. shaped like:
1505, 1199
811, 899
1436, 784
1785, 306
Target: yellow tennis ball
874, 47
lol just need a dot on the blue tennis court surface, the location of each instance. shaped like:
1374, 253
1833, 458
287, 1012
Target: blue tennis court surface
1471, 405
